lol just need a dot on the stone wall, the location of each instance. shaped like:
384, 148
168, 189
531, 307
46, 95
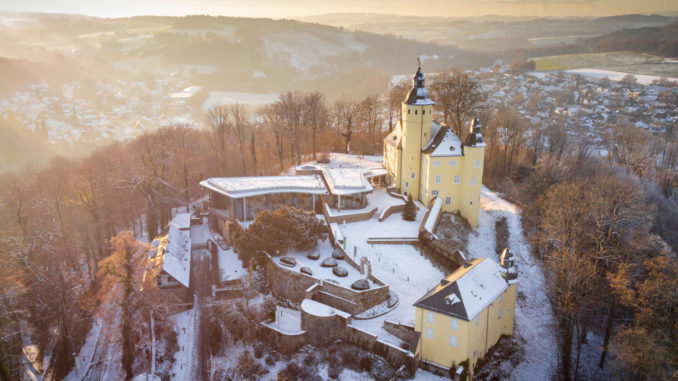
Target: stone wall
347, 217
369, 342
390, 210
322, 330
402, 331
284, 342
292, 285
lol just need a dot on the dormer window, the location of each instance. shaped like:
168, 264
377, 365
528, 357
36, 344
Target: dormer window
452, 299
451, 148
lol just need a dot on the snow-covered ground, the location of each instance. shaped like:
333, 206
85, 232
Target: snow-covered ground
219, 98
534, 323
186, 339
616, 75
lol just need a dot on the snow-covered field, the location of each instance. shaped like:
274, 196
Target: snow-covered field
616, 75
219, 98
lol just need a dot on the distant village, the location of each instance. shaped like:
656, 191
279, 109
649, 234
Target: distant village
104, 111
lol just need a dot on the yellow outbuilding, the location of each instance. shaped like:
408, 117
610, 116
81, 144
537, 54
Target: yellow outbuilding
427, 159
464, 315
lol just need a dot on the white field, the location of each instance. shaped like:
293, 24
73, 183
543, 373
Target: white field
616, 75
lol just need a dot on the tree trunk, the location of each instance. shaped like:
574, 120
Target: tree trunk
566, 355
608, 332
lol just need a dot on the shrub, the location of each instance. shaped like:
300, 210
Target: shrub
270, 361
366, 364
410, 210
258, 351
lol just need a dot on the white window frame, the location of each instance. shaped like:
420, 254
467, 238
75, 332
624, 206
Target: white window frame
437, 163
453, 340
473, 181
429, 316
439, 179
448, 200
457, 179
429, 333
434, 192
477, 163
499, 314
451, 163
454, 324
413, 175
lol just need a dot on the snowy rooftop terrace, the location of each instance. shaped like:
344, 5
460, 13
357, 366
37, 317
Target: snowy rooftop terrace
324, 248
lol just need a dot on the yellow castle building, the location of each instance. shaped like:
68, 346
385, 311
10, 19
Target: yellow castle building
427, 159
464, 315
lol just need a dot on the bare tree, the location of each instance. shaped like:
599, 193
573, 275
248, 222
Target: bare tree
315, 115
346, 113
458, 96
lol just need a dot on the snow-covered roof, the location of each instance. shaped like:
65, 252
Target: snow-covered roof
444, 142
182, 221
429, 225
394, 137
177, 260
343, 181
240, 187
475, 286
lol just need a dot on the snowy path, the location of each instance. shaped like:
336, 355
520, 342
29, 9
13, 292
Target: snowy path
535, 323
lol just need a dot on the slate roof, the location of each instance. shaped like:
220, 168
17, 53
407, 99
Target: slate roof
444, 143
418, 95
467, 291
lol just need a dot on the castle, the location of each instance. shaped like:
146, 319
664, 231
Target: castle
427, 159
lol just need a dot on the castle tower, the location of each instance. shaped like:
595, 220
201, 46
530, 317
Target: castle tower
474, 157
417, 111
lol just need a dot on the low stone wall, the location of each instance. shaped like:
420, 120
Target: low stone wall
322, 330
402, 331
369, 342
390, 210
391, 192
284, 342
347, 217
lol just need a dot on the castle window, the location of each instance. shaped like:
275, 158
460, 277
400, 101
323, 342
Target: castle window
454, 324
477, 163
407, 185
429, 317
452, 163
412, 175
448, 200
453, 340
439, 179
415, 112
429, 333
423, 112
436, 163
499, 314
473, 181
408, 111
457, 179
434, 192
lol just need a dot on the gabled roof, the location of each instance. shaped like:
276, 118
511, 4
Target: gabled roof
444, 143
177, 259
467, 291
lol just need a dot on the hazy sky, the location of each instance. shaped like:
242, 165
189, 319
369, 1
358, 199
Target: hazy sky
297, 8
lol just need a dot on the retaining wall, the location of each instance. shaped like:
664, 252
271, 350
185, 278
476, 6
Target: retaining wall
390, 210
284, 342
347, 217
